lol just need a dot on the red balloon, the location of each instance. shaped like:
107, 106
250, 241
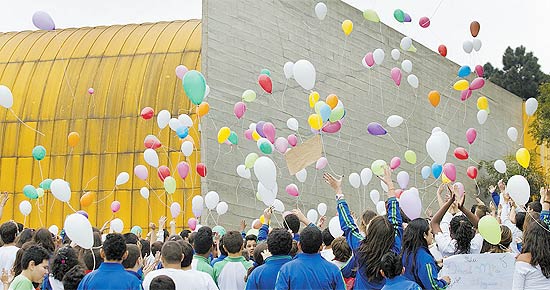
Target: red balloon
265, 83
152, 142
472, 172
201, 169
163, 172
442, 50
147, 113
461, 153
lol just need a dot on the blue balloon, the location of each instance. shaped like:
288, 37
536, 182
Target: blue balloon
464, 71
325, 112
182, 132
426, 171
436, 170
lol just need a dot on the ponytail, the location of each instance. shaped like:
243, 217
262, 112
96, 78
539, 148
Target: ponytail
463, 232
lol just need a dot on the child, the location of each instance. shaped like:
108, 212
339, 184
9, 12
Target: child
35, 267
230, 273
392, 269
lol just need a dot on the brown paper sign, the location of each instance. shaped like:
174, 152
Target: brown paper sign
304, 155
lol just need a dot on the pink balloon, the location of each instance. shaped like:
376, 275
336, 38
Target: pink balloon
91, 91
269, 132
369, 59
332, 127
292, 189
292, 140
183, 169
479, 71
115, 206
396, 75
411, 204
450, 171
460, 189
477, 84
465, 94
141, 172
403, 179
181, 70
471, 135
321, 163
175, 209
192, 223
248, 134
424, 22
239, 109
395, 162
281, 144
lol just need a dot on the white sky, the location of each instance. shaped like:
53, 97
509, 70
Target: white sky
503, 22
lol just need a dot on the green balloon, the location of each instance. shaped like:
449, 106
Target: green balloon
45, 184
336, 114
233, 138
265, 71
249, 96
40, 192
266, 148
399, 15
30, 192
250, 160
194, 85
39, 152
371, 15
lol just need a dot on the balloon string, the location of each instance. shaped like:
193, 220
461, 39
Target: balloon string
39, 213
437, 8
25, 221
325, 154
40, 167
154, 191
218, 155
237, 190
67, 163
71, 207
106, 196
283, 96
408, 136
26, 125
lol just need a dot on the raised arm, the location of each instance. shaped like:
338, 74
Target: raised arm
440, 200
264, 230
436, 220
3, 201
394, 214
471, 216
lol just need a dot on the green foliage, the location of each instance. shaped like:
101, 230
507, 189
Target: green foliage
540, 127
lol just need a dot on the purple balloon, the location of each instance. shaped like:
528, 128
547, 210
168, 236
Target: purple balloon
260, 128
43, 20
407, 18
376, 129
83, 213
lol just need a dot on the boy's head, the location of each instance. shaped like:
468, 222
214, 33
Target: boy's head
391, 265
145, 248
250, 244
72, 278
156, 247
203, 241
520, 219
130, 238
292, 223
481, 211
279, 242
35, 263
185, 235
171, 253
114, 248
162, 282
8, 232
187, 254
534, 206
134, 257
233, 242
341, 249
311, 240
327, 238
89, 259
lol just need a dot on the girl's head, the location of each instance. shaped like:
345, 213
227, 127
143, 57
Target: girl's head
25, 236
341, 249
44, 238
379, 240
503, 246
417, 234
462, 230
537, 242
63, 261
367, 216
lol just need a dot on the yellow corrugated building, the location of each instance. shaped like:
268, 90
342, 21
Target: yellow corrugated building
129, 67
542, 152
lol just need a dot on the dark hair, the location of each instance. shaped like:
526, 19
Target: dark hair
531, 219
63, 261
114, 247
327, 237
258, 259
294, 249
133, 256
88, 258
36, 254
233, 242
25, 236
130, 238
175, 238
17, 267
251, 237
463, 232
44, 238
391, 264
166, 234
185, 234
520, 219
367, 216
481, 211
279, 242
187, 251
97, 239
162, 282
311, 240
221, 248
292, 222
379, 240
413, 241
341, 249
473, 209
192, 237
8, 232
502, 246
404, 216
155, 247
535, 206
72, 278
203, 240
145, 248
537, 242
172, 252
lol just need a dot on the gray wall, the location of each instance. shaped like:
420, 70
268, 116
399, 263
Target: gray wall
242, 37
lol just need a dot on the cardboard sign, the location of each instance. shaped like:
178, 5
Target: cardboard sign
304, 155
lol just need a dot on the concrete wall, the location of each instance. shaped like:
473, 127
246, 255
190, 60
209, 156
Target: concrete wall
242, 37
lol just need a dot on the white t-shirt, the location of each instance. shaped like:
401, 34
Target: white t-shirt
447, 246
7, 258
56, 284
528, 277
190, 279
327, 254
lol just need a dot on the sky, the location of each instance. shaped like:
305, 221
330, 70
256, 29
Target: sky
503, 22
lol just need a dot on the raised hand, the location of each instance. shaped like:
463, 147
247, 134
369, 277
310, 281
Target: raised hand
336, 184
243, 225
4, 199
301, 216
267, 214
321, 221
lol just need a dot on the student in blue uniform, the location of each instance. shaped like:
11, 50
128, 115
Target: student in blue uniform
392, 269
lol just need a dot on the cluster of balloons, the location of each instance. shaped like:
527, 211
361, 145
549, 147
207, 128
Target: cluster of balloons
264, 134
466, 88
401, 16
329, 114
475, 44
225, 135
179, 125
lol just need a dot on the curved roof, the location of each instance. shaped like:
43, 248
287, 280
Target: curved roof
129, 67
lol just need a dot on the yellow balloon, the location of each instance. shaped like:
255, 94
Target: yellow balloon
255, 136
412, 48
482, 103
313, 98
445, 179
315, 121
489, 229
523, 157
262, 219
410, 156
461, 85
347, 26
223, 134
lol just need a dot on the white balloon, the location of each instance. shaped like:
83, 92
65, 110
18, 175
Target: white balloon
206, 91
384, 186
482, 116
122, 178
334, 227
476, 43
266, 172
151, 157
197, 202
312, 216
79, 230
437, 146
54, 230
268, 196
378, 56
322, 209
304, 74
163, 118
292, 124
519, 189
185, 120
395, 54
243, 172
500, 166
278, 206
321, 10
354, 180
512, 134
381, 207
175, 209
301, 175
61, 190
375, 196
288, 68
394, 121
212, 199
222, 208
187, 148
25, 207
407, 65
531, 106
144, 191
6, 97
413, 81
406, 43
467, 46
364, 63
366, 176
117, 225
174, 124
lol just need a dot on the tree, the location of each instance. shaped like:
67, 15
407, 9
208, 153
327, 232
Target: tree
540, 127
520, 74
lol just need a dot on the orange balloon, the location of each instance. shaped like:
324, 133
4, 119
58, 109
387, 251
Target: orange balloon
434, 98
73, 139
474, 28
203, 109
87, 199
332, 101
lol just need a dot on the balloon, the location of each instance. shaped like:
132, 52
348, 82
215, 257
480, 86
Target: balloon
437, 146
369, 59
174, 124
266, 172
292, 124
266, 72
523, 157
163, 118
474, 30
519, 189
267, 196
269, 132
292, 140
531, 106
239, 109
151, 142
449, 170
163, 172
197, 202
304, 74
460, 189
265, 82
500, 166
489, 229
313, 99
472, 172
315, 121
412, 80
79, 230
406, 65
86, 199
406, 43
437, 169
482, 103
334, 227
354, 180
377, 167
323, 110
187, 148
192, 223
288, 69
54, 230
464, 71
407, 18
25, 207
243, 172
477, 84
479, 70
426, 171
371, 15
381, 208
396, 75
466, 94
250, 160
461, 85
467, 46
301, 175
477, 44
395, 162
321, 163
321, 10
117, 225
211, 200
115, 206
471, 135
6, 97
482, 116
73, 139
45, 184
223, 134
233, 138
403, 179
424, 22
175, 209
39, 192
376, 129
366, 176
292, 190
43, 20
204, 108
170, 184
512, 134
181, 70
378, 56
122, 178
249, 96
194, 85
151, 157
201, 169
410, 203
61, 190
410, 156
281, 145
312, 215
144, 191
332, 101
399, 15
30, 192
434, 97
222, 208
39, 152
394, 121
265, 146
347, 27
461, 153
442, 49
